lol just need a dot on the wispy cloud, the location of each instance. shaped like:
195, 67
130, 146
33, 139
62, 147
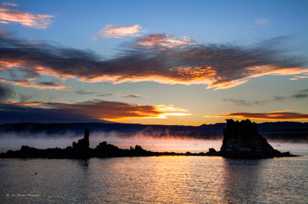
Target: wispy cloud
301, 94
276, 116
243, 102
217, 66
9, 4
50, 85
30, 83
112, 31
85, 92
132, 96
163, 41
299, 77
104, 94
262, 21
9, 14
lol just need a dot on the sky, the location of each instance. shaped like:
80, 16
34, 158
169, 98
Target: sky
153, 62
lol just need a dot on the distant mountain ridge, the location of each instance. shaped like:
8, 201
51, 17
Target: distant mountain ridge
271, 130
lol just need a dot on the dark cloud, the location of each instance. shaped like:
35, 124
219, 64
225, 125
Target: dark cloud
5, 92
109, 109
132, 96
85, 111
49, 84
301, 94
11, 113
218, 66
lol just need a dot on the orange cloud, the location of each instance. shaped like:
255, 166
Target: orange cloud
9, 15
273, 116
218, 67
117, 110
119, 31
95, 110
110, 110
163, 40
8, 64
259, 71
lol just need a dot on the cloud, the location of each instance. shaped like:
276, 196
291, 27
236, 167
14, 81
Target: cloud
109, 109
49, 85
120, 31
8, 4
22, 98
84, 92
243, 102
262, 21
105, 94
171, 110
304, 76
12, 113
268, 116
217, 66
5, 92
8, 14
30, 83
301, 94
163, 41
94, 110
119, 110
132, 96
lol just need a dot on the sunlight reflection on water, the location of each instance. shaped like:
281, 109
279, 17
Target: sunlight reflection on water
166, 179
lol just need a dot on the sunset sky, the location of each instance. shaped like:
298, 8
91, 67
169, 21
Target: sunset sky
153, 62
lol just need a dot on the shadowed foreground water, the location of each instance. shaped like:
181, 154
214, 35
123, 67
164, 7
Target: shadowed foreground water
165, 179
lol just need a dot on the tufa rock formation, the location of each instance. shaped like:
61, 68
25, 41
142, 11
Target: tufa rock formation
82, 147
242, 140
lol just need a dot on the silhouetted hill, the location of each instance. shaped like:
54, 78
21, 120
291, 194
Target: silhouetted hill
273, 130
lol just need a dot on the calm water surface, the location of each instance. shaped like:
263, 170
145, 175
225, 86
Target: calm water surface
165, 179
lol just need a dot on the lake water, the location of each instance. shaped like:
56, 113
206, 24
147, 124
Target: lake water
167, 179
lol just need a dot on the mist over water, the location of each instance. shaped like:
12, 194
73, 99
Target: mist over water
149, 142
154, 143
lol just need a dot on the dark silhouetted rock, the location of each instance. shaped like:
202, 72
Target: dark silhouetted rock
212, 152
82, 147
242, 140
